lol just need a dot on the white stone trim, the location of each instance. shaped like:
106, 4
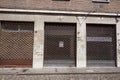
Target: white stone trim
59, 12
81, 42
38, 52
81, 21
118, 42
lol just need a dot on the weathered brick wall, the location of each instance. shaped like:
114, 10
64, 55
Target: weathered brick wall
62, 77
75, 5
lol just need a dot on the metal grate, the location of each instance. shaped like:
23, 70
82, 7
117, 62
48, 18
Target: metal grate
59, 44
16, 44
101, 45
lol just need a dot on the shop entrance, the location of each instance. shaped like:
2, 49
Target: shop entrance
101, 45
60, 43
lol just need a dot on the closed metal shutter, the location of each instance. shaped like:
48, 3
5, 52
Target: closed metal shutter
16, 42
60, 44
101, 45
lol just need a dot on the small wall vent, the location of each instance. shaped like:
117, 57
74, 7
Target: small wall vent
60, 0
101, 1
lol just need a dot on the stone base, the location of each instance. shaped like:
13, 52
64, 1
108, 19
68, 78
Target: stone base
62, 77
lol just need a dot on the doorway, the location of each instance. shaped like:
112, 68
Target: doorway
16, 48
101, 45
60, 49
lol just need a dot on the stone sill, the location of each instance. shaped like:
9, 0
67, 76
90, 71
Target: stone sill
30, 71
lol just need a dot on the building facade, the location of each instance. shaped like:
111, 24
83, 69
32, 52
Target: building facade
60, 39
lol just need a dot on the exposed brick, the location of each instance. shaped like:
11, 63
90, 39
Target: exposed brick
75, 5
